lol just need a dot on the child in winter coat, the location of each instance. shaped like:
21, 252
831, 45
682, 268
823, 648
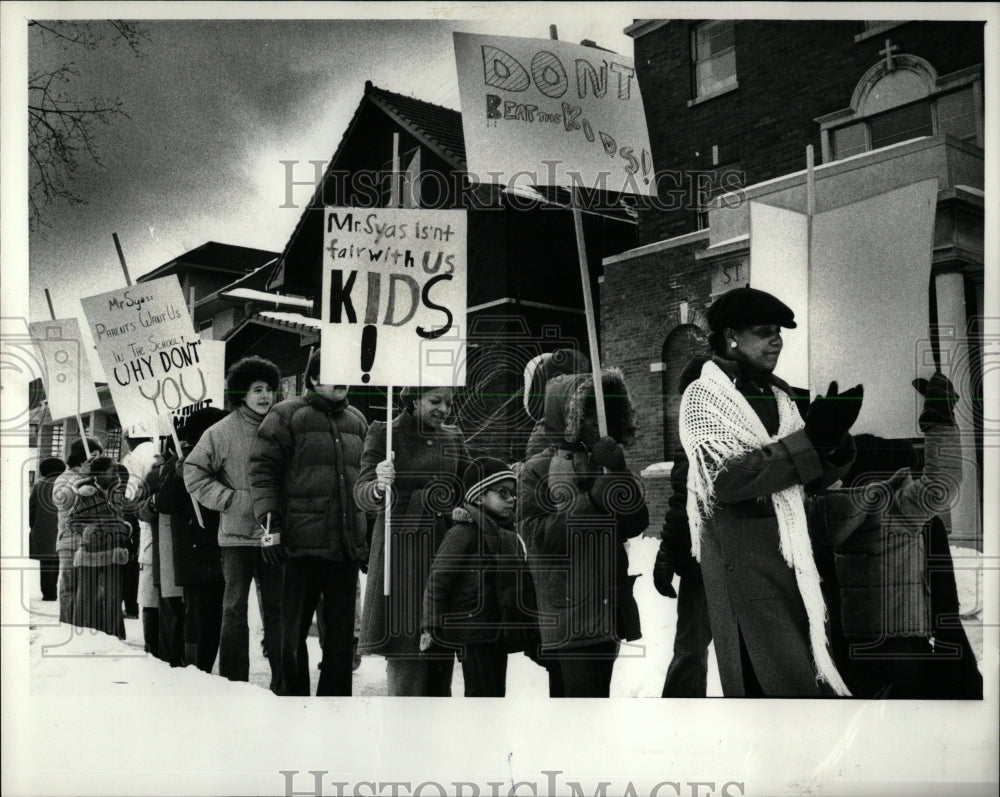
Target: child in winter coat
478, 595
100, 560
217, 474
196, 558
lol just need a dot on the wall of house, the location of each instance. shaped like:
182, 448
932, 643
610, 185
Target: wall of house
649, 296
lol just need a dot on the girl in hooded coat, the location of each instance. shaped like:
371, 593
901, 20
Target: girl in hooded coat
577, 506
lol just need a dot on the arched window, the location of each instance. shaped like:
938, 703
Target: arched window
902, 97
683, 343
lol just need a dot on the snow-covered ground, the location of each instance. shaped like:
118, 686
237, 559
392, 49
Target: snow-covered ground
65, 660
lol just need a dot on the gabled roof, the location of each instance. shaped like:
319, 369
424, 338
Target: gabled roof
214, 256
437, 127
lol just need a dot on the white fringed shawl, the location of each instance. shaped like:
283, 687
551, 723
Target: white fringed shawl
717, 425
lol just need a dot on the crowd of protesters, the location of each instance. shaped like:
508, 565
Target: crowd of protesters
814, 558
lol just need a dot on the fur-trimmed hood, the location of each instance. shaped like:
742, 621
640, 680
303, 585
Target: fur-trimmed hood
566, 399
545, 367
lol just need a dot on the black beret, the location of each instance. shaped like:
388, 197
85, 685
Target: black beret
742, 306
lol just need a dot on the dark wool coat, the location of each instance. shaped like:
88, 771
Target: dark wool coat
303, 469
43, 520
576, 549
751, 591
195, 549
427, 487
479, 582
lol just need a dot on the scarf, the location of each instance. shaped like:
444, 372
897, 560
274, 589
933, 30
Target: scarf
718, 425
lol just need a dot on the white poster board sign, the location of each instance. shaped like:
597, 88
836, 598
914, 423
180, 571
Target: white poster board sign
779, 264
152, 357
213, 368
538, 112
69, 386
394, 297
868, 302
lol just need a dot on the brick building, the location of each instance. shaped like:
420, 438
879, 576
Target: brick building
731, 108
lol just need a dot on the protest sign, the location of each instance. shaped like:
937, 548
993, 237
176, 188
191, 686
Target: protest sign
779, 264
869, 276
69, 386
540, 112
394, 297
858, 284
151, 356
213, 366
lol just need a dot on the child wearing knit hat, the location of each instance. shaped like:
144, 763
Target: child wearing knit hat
478, 595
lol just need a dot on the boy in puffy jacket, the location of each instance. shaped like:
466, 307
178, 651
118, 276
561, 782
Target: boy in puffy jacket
479, 592
303, 467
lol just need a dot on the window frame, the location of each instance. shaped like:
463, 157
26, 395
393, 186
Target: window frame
696, 97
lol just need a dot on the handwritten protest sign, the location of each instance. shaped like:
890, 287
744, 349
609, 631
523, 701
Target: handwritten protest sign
151, 356
69, 386
538, 112
394, 297
213, 365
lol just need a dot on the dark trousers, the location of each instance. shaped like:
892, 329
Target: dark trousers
586, 671
484, 668
131, 587
151, 630
203, 623
687, 675
98, 600
306, 578
954, 673
171, 635
420, 676
896, 667
67, 586
48, 576
241, 565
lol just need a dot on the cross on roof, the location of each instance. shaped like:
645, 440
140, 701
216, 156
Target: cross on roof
890, 48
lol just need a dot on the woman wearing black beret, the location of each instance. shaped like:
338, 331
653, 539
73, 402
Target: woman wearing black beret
750, 455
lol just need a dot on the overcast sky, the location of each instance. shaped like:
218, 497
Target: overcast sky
214, 106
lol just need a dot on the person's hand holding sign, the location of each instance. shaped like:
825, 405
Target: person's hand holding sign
385, 474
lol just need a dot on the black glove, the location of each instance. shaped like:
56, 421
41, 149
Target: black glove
271, 549
663, 573
831, 416
364, 566
274, 554
608, 453
939, 401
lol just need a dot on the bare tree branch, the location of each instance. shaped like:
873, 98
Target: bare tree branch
61, 128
